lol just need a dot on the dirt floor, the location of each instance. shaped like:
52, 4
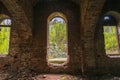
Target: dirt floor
31, 75
55, 77
71, 77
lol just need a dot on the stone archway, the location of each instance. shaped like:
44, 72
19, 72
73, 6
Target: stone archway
20, 35
89, 15
19, 17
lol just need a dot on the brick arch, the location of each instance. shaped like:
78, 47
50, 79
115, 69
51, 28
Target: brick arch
115, 14
102, 60
90, 13
55, 14
19, 17
71, 13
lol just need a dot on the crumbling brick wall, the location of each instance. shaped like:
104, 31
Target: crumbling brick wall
28, 42
72, 13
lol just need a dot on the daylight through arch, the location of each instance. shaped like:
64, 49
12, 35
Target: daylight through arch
57, 39
5, 28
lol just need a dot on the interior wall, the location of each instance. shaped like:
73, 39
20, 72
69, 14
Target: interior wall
19, 39
29, 51
72, 13
105, 63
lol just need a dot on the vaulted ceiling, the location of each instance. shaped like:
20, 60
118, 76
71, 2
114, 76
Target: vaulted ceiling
33, 2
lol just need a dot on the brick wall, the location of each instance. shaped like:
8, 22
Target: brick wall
106, 64
71, 11
28, 44
20, 33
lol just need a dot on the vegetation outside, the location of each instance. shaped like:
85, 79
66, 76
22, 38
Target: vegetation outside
4, 40
57, 39
4, 36
111, 40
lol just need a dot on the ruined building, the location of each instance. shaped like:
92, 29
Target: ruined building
87, 21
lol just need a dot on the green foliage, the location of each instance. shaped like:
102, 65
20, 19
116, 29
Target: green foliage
57, 39
4, 39
110, 37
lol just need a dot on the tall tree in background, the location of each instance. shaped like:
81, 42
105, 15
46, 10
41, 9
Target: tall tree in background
57, 38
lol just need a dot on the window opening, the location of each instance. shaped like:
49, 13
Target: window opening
57, 40
5, 27
111, 36
111, 41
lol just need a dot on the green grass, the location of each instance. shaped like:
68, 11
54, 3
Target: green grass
57, 60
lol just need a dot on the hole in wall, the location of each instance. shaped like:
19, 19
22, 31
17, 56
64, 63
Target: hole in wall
5, 28
57, 40
111, 36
